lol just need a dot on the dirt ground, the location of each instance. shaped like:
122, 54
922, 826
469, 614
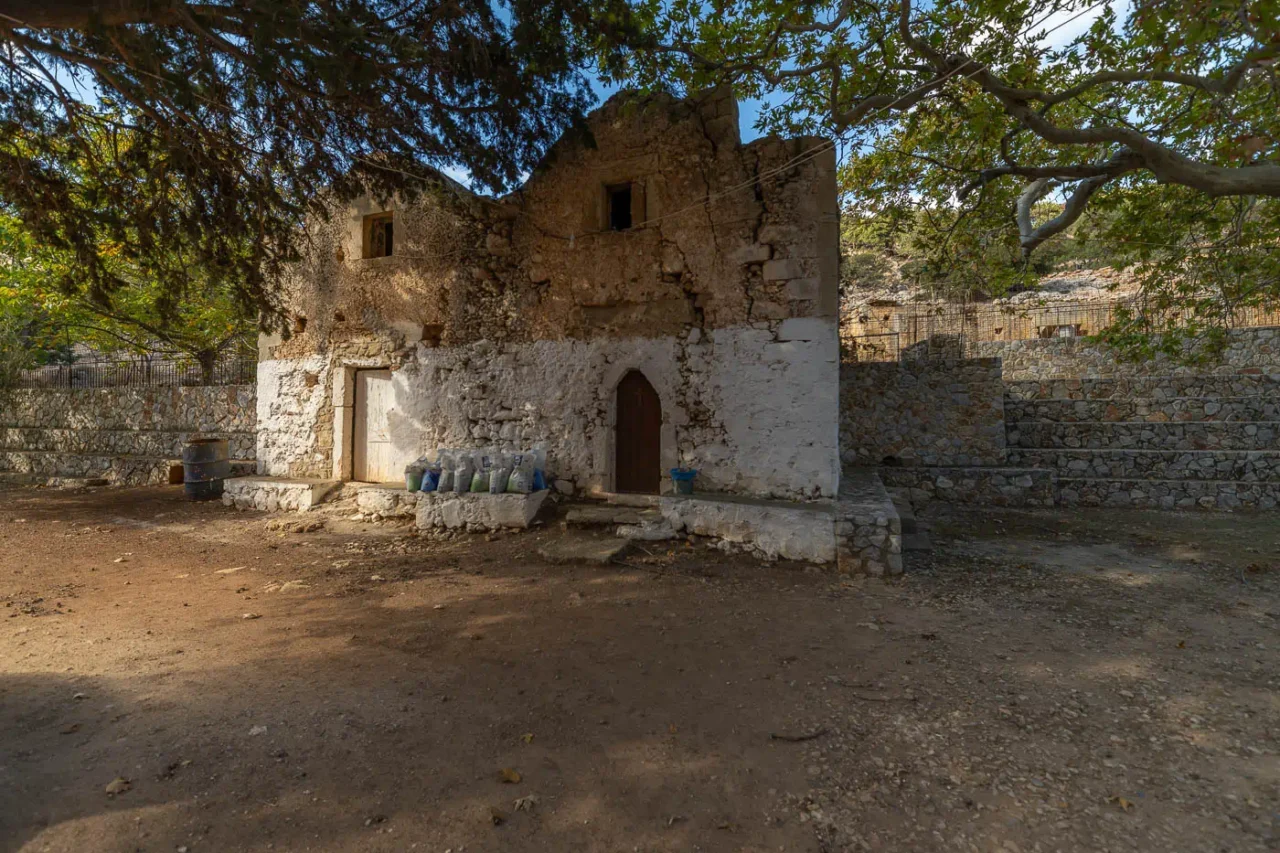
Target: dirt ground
1091, 681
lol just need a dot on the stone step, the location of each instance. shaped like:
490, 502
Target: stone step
605, 515
1177, 410
583, 548
979, 485
1167, 494
624, 498
1146, 387
1241, 465
1133, 435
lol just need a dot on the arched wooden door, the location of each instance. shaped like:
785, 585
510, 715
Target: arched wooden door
638, 445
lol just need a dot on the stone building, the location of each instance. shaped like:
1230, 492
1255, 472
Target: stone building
657, 294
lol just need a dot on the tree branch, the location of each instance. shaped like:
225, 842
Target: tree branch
81, 14
1031, 236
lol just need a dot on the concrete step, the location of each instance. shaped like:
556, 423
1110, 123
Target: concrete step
606, 515
1133, 435
1146, 387
1218, 465
1147, 410
1167, 494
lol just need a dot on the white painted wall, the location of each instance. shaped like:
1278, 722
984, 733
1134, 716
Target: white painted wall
756, 414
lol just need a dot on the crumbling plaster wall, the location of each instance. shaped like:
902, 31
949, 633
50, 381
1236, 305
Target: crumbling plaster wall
509, 322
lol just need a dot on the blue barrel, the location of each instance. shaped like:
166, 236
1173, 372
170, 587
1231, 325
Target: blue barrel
205, 464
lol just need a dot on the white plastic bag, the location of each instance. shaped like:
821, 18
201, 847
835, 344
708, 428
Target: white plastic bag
463, 472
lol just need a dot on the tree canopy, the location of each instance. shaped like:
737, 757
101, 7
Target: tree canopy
192, 138
976, 119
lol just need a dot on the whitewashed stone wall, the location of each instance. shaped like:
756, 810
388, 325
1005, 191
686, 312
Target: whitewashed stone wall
125, 435
753, 408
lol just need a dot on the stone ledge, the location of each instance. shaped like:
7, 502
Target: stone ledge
276, 494
772, 529
987, 486
868, 531
1224, 495
478, 511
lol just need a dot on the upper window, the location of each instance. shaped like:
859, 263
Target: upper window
379, 232
619, 206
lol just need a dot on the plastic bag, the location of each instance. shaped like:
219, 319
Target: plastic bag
498, 479
445, 481
463, 472
431, 479
521, 481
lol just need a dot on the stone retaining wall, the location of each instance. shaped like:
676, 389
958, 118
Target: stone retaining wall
922, 413
1145, 436
1014, 487
868, 528
1242, 465
1248, 350
126, 435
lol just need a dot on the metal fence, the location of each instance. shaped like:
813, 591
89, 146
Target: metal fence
239, 369
899, 332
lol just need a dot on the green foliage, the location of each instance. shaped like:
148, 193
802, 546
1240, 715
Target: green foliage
1152, 139
40, 322
179, 140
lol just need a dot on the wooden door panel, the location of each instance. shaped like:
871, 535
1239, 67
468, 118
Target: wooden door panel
373, 454
638, 436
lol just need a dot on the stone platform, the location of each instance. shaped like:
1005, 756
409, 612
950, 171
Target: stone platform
476, 511
772, 529
276, 494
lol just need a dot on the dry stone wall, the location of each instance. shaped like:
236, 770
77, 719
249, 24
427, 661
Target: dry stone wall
125, 435
1248, 351
1080, 426
922, 413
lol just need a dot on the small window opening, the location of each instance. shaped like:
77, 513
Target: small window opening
379, 233
299, 324
620, 207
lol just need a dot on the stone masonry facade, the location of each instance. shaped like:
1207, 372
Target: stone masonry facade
508, 323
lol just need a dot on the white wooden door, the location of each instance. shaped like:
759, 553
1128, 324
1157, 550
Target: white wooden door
373, 462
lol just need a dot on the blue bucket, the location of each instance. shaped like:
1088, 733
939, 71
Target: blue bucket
682, 479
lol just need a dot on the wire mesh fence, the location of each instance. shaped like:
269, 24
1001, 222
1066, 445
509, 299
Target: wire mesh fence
893, 333
237, 369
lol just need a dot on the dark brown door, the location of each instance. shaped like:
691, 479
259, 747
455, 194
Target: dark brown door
639, 436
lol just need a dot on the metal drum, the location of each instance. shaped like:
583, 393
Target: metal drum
206, 463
